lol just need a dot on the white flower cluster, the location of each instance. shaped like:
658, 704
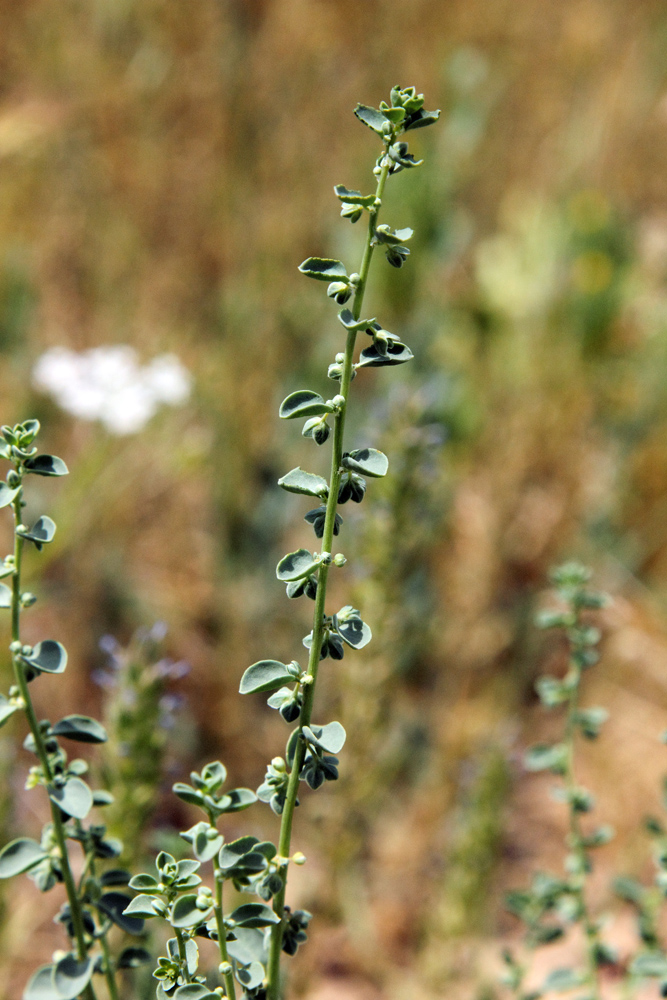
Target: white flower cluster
110, 385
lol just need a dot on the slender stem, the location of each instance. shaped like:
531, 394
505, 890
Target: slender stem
182, 954
56, 816
222, 940
577, 839
273, 968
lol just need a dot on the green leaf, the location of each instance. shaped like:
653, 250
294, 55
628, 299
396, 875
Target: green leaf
248, 946
371, 117
142, 906
354, 197
40, 986
236, 800
48, 656
330, 737
393, 237
19, 856
74, 797
396, 353
114, 906
70, 976
131, 958
5, 596
421, 119
185, 912
324, 269
188, 794
143, 883
7, 709
303, 403
254, 915
46, 465
80, 728
238, 851
296, 565
350, 323
546, 758
355, 633
41, 532
266, 675
6, 497
298, 481
251, 976
205, 840
369, 461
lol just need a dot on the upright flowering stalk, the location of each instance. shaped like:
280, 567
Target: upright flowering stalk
252, 937
312, 748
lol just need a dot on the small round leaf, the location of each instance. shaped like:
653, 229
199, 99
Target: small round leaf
296, 565
303, 403
74, 797
266, 675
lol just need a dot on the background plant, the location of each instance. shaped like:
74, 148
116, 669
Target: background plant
93, 904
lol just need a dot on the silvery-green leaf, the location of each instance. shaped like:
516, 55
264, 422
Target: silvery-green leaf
46, 465
296, 565
306, 483
371, 117
354, 197
48, 656
396, 353
254, 915
350, 323
20, 856
330, 737
324, 269
303, 403
80, 728
7, 709
266, 675
40, 985
251, 976
74, 797
71, 976
42, 531
6, 497
368, 461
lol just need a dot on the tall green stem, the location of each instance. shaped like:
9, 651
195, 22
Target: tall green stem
273, 970
20, 676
